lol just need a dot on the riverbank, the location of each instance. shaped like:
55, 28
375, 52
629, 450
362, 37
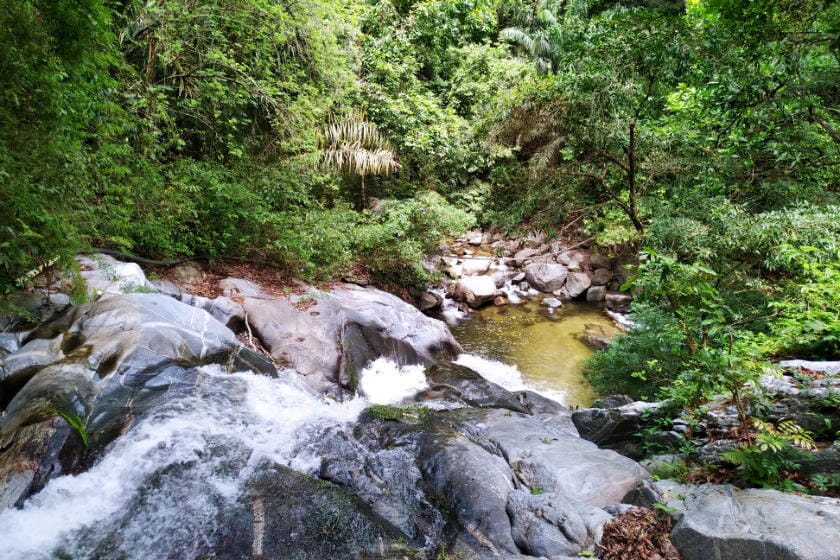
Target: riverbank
144, 415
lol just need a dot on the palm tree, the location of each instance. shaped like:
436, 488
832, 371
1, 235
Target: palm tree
536, 44
356, 146
540, 28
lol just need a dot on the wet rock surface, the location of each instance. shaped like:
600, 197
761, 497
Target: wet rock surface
182, 453
329, 337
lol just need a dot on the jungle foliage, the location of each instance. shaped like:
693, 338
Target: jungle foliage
704, 135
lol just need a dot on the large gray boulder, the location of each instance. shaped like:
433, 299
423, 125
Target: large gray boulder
721, 522
329, 337
471, 266
577, 283
105, 275
522, 256
546, 277
473, 481
475, 291
524, 457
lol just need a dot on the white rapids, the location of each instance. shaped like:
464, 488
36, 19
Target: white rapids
256, 416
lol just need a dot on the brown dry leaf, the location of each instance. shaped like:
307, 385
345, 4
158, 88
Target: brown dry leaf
639, 534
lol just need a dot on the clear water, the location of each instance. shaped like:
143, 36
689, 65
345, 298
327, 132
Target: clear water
545, 347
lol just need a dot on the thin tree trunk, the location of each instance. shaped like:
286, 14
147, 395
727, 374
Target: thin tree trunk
631, 177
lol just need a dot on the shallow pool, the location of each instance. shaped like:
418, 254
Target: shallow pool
546, 347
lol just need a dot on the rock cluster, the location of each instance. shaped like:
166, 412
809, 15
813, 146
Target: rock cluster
465, 465
482, 264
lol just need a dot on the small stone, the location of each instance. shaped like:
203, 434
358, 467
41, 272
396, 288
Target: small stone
551, 302
598, 261
562, 294
601, 277
499, 301
430, 300
596, 294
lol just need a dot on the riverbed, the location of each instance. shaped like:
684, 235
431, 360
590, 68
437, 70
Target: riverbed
544, 346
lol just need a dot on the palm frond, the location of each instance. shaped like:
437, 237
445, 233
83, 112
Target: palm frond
355, 145
519, 37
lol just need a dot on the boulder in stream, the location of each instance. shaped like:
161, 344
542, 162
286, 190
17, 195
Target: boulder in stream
546, 277
475, 291
329, 337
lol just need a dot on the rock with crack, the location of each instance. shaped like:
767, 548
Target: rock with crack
550, 525
525, 456
329, 337
474, 482
719, 522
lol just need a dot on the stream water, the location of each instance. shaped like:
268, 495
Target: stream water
181, 467
219, 436
542, 348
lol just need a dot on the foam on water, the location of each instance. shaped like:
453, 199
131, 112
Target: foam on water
247, 413
384, 382
508, 376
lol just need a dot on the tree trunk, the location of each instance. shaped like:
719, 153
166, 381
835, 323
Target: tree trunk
631, 179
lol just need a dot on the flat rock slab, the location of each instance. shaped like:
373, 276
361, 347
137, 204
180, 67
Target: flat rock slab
721, 522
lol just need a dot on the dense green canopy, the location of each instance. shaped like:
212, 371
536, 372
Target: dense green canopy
705, 132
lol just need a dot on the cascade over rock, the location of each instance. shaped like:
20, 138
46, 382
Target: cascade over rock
107, 363
329, 337
185, 444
